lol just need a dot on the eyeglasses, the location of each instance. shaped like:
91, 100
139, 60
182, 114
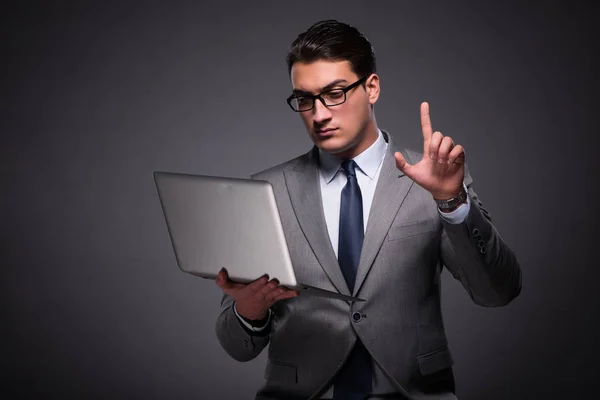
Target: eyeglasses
329, 98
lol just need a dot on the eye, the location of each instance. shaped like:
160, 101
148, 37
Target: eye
303, 101
334, 95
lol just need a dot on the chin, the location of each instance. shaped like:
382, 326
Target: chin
333, 146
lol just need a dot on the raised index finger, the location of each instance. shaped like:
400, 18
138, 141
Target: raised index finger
426, 122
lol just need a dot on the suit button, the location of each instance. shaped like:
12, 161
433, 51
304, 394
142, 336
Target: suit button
356, 317
481, 244
476, 233
483, 250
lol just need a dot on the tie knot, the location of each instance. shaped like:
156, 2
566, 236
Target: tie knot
349, 167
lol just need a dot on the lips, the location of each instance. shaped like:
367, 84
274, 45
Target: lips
325, 132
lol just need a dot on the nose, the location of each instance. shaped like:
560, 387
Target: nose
321, 113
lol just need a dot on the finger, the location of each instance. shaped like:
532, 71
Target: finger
434, 145
258, 284
268, 288
426, 121
402, 164
222, 279
444, 149
457, 155
225, 283
288, 294
274, 293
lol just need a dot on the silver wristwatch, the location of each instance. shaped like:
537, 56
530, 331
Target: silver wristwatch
453, 203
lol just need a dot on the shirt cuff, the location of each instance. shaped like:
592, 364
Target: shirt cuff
247, 325
459, 215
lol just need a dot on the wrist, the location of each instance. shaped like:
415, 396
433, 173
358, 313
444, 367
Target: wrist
447, 195
254, 327
258, 319
257, 322
449, 203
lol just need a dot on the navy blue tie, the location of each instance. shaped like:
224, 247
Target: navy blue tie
351, 231
353, 381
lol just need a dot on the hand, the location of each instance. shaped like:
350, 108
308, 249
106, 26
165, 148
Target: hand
441, 170
254, 299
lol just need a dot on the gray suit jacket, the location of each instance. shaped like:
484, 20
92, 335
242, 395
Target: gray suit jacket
406, 245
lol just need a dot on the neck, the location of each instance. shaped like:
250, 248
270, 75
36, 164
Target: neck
367, 137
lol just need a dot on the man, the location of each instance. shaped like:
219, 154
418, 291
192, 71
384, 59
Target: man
364, 217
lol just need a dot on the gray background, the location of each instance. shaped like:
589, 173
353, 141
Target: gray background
97, 96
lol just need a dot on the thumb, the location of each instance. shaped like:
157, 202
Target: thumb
226, 284
223, 280
402, 164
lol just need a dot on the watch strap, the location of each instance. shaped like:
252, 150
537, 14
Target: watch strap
453, 203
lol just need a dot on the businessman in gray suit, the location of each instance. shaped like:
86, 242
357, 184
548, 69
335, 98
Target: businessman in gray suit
364, 217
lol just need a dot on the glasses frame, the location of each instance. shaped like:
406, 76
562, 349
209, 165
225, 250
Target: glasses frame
316, 97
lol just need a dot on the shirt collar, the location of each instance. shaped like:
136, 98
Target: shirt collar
368, 161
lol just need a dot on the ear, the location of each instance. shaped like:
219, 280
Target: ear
372, 87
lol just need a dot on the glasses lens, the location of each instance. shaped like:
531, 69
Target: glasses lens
302, 103
334, 97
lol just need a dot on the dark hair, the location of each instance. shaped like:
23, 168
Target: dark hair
334, 41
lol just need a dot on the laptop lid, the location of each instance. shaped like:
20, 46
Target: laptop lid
219, 222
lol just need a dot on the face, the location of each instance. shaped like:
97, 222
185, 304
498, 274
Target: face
347, 129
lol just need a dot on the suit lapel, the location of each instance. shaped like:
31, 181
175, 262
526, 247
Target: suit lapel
392, 188
305, 194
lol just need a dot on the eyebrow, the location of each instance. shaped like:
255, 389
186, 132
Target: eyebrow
323, 89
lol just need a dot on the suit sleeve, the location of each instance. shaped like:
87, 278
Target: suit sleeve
476, 255
239, 342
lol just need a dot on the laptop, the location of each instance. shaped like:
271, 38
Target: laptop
232, 223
